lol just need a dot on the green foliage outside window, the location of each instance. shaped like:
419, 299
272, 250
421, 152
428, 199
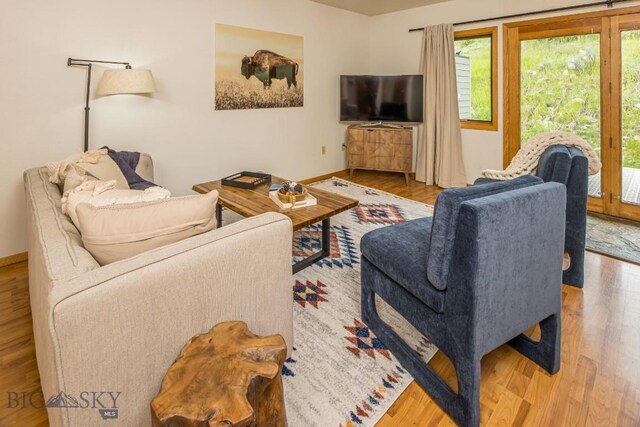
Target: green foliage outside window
560, 87
478, 50
560, 90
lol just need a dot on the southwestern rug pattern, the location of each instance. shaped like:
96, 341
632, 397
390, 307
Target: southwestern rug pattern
340, 373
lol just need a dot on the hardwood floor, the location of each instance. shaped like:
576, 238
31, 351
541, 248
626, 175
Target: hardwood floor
18, 368
598, 384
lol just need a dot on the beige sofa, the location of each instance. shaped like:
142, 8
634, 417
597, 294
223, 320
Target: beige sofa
117, 328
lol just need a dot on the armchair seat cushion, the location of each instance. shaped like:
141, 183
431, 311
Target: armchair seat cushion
400, 251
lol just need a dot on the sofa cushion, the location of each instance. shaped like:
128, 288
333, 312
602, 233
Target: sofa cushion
116, 232
75, 177
128, 162
59, 169
106, 169
400, 251
145, 167
445, 219
74, 198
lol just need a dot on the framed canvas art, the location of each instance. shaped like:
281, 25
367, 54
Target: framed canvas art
257, 69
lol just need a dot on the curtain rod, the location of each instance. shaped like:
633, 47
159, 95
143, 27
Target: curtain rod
608, 3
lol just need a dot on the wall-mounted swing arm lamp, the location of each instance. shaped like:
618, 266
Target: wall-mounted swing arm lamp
113, 82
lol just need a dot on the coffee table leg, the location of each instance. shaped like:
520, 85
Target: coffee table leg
326, 237
218, 215
324, 250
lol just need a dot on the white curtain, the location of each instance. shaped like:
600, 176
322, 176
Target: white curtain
440, 146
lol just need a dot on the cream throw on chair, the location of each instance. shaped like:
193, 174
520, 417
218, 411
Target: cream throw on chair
440, 147
526, 161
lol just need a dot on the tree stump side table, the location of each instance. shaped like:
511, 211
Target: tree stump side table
226, 377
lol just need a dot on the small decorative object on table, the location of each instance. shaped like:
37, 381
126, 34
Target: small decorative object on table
247, 179
291, 195
226, 377
291, 192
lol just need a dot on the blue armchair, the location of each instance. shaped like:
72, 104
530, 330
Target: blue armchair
568, 166
483, 269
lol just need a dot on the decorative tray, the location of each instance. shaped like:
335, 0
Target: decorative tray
246, 179
309, 200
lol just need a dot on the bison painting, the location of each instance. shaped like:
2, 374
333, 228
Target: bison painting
279, 78
267, 65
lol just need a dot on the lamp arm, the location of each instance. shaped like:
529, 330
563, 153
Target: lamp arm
86, 62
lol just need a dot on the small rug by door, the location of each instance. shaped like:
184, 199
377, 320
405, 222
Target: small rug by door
340, 374
614, 237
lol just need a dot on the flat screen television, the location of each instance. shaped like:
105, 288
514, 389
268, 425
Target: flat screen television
395, 99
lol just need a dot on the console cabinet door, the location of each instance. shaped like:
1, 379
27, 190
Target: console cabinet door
371, 148
402, 158
355, 146
403, 151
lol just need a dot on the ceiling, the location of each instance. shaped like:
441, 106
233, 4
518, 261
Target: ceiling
377, 7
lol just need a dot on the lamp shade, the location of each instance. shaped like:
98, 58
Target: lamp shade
114, 82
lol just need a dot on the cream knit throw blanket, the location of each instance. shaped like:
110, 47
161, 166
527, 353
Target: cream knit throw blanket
526, 161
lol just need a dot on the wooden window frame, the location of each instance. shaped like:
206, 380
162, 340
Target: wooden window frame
511, 64
558, 26
492, 34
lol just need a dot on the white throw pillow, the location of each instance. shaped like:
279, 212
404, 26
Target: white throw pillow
81, 167
108, 197
74, 178
116, 232
58, 170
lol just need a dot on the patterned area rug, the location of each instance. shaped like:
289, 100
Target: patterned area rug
613, 237
340, 374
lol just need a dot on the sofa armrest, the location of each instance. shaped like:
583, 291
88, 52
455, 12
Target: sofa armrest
120, 327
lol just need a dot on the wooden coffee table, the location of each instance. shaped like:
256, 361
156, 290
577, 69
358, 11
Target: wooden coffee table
256, 201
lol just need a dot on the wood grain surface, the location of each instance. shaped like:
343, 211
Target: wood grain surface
256, 201
228, 377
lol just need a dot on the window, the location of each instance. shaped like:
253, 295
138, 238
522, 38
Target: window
476, 72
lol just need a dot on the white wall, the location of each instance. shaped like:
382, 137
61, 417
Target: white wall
395, 50
41, 99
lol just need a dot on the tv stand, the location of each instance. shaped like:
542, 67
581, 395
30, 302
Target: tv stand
380, 147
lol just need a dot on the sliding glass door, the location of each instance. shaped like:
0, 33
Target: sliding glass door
580, 75
561, 90
625, 47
